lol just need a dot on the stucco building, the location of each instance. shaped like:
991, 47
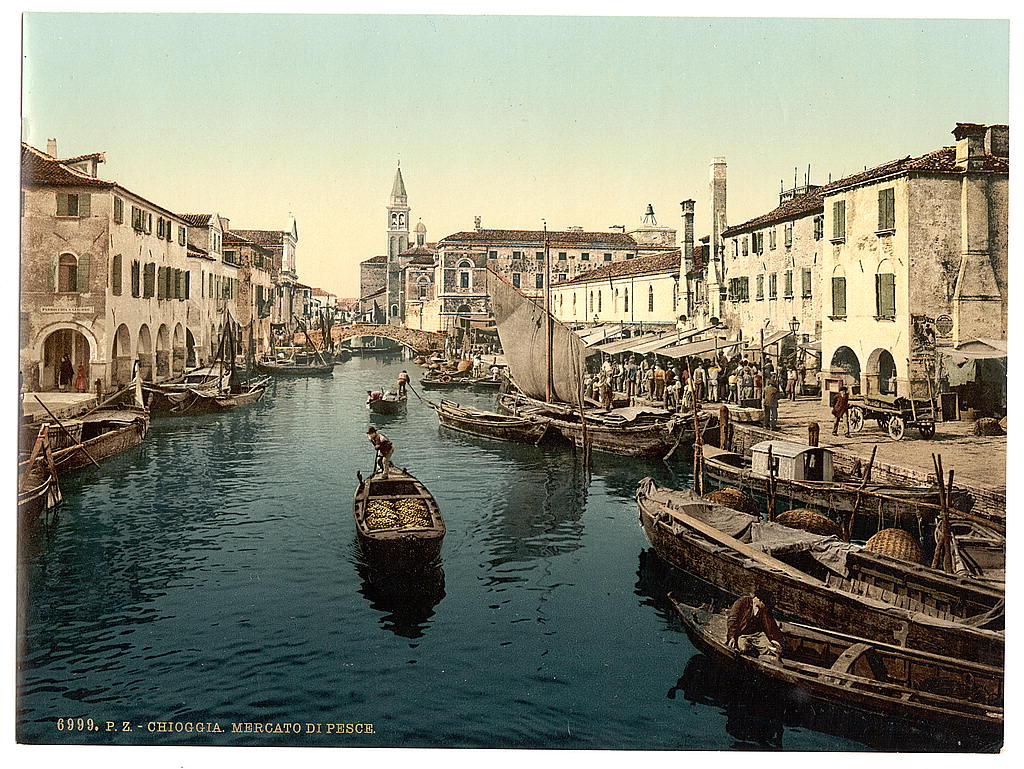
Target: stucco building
917, 261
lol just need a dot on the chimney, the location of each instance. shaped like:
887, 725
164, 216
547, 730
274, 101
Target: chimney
51, 147
718, 198
476, 223
997, 140
687, 206
970, 145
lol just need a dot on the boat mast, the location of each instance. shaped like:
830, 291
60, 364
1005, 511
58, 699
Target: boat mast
548, 333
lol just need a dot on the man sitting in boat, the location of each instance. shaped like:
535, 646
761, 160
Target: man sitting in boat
373, 395
384, 450
751, 628
403, 380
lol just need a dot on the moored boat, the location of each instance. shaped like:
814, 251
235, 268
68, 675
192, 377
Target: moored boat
97, 435
38, 486
398, 521
292, 368
489, 424
877, 678
197, 397
739, 553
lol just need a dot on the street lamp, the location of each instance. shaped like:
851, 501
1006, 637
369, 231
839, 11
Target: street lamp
794, 325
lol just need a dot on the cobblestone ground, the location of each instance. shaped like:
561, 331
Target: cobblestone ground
977, 460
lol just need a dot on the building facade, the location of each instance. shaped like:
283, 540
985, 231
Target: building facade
105, 276
282, 245
917, 259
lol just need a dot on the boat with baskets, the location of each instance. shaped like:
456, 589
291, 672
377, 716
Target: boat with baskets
864, 674
398, 522
488, 424
811, 578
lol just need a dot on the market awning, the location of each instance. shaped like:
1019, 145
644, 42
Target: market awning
699, 347
624, 345
977, 349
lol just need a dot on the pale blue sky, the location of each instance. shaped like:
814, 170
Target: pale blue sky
581, 121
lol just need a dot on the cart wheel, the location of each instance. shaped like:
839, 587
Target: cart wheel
897, 426
927, 431
856, 419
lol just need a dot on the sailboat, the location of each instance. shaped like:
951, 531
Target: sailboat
547, 364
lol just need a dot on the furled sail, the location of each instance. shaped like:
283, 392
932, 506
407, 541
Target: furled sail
522, 328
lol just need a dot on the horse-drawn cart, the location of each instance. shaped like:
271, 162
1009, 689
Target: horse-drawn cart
894, 414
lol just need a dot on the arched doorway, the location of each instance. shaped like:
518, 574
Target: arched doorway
846, 364
881, 372
163, 352
190, 349
178, 350
121, 356
145, 353
63, 343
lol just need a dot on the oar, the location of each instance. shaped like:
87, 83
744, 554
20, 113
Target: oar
68, 432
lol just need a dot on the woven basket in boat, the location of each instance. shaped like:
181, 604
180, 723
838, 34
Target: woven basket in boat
809, 520
896, 543
735, 499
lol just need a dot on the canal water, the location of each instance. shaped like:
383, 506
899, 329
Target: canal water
212, 576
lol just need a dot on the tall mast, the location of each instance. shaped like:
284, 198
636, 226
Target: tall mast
547, 310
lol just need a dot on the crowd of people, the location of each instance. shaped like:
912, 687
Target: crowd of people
677, 384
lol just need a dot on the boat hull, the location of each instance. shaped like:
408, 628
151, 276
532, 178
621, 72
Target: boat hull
491, 425
411, 550
101, 447
728, 564
877, 679
388, 407
277, 369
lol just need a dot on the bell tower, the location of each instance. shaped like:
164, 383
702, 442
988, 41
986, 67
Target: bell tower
398, 241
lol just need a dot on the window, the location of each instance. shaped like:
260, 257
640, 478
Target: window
188, 280
562, 256
805, 283
516, 279
560, 277
148, 222
118, 210
161, 283
517, 254
631, 256
773, 286
573, 302
540, 256
739, 289
625, 300
887, 210
73, 204
839, 297
67, 273
160, 227
759, 283
149, 281
745, 245
599, 300
138, 220
787, 234
585, 257
115, 275
538, 280
773, 236
607, 257
757, 245
787, 284
492, 254
839, 220
735, 247
885, 295
591, 302
181, 235
819, 227
650, 298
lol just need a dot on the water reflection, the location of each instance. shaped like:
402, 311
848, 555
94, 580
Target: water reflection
406, 601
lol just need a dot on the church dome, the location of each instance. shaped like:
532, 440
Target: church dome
421, 227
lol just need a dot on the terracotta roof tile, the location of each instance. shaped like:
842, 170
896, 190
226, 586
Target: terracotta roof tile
380, 259
40, 169
537, 237
197, 220
263, 237
417, 251
642, 265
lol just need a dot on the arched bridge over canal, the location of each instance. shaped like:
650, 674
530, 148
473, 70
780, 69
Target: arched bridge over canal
416, 340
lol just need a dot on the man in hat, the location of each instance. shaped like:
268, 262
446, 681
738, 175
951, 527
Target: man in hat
750, 626
384, 449
841, 410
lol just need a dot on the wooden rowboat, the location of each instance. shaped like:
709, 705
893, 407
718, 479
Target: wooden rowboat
288, 368
397, 546
98, 435
489, 424
877, 678
388, 404
692, 534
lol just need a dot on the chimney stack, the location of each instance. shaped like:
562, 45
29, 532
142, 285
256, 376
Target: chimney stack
718, 198
970, 145
51, 147
687, 206
997, 141
476, 223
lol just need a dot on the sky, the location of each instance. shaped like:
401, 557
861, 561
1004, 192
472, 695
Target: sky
573, 120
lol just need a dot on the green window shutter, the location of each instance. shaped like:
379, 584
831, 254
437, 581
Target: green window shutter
115, 275
885, 295
54, 266
839, 297
62, 204
161, 283
83, 273
84, 204
839, 220
188, 276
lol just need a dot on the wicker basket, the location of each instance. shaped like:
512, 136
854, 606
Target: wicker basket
988, 426
809, 520
896, 543
735, 499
